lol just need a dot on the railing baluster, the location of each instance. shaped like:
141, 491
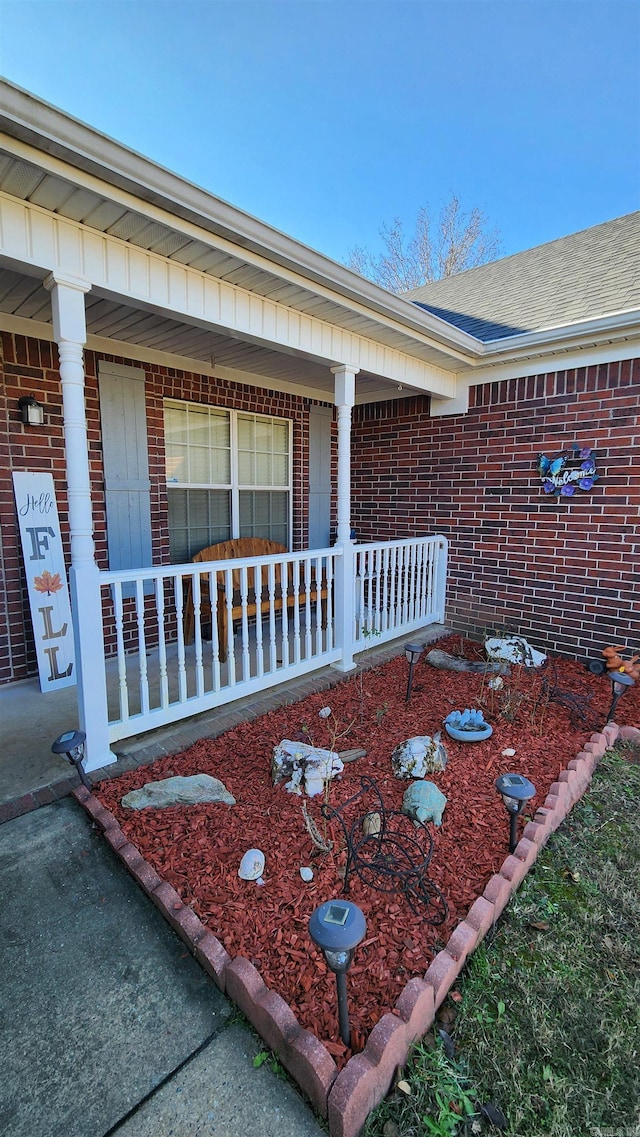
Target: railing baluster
231, 655
378, 562
295, 564
197, 608
306, 566
284, 577
244, 620
318, 571
123, 689
178, 591
329, 629
273, 643
162, 643
215, 637
258, 581
142, 649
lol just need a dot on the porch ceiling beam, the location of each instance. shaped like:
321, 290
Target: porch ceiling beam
31, 236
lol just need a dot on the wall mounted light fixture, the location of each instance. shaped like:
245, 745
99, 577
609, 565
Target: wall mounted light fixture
31, 411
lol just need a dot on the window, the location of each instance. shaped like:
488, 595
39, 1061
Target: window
228, 475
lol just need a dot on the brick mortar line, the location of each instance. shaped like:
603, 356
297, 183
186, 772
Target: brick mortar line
347, 1097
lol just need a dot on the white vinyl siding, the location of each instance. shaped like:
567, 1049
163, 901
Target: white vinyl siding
228, 475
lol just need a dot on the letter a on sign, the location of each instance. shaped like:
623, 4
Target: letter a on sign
46, 579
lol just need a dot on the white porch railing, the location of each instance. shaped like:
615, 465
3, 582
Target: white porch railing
400, 586
394, 588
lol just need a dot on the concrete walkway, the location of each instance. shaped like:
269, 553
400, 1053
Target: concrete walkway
108, 1024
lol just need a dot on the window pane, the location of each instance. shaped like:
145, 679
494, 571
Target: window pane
280, 442
199, 465
263, 470
176, 463
263, 435
197, 518
175, 424
265, 514
280, 470
197, 445
246, 468
198, 427
246, 432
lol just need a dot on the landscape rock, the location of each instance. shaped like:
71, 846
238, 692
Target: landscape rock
191, 790
418, 756
308, 768
252, 866
513, 649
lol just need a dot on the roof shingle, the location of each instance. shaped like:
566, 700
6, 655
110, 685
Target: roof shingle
593, 273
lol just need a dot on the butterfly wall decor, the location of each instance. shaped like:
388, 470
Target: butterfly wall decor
563, 475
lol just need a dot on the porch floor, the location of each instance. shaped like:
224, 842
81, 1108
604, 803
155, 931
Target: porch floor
30, 775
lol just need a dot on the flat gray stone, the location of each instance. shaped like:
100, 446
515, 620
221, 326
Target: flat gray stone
193, 790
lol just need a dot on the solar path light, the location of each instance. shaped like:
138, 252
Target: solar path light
515, 791
413, 653
620, 683
337, 927
71, 746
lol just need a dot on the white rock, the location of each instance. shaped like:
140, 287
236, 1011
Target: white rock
513, 649
418, 756
308, 768
509, 752
306, 873
252, 866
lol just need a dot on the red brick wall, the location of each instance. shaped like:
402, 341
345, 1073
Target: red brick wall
30, 366
564, 575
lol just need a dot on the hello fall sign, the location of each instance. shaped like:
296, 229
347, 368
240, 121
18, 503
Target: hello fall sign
46, 578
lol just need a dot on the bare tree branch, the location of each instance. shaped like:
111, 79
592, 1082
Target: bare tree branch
454, 242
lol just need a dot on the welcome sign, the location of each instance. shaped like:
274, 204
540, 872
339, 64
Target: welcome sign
46, 578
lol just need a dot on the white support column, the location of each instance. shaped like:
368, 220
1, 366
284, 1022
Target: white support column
345, 387
69, 323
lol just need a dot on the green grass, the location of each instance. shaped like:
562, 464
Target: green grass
548, 1028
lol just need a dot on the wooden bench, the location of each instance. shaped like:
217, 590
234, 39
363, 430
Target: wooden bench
258, 595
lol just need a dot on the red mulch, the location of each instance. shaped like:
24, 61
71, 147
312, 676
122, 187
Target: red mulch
198, 848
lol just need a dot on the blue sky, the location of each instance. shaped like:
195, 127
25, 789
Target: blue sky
326, 118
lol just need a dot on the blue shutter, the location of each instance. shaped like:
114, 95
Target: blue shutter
126, 466
320, 419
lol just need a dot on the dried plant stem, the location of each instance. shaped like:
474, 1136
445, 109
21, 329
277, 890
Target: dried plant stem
324, 844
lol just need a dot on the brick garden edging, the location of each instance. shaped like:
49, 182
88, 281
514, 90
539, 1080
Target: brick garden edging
346, 1098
